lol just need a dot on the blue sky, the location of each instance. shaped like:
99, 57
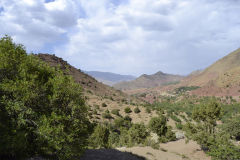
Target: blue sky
126, 36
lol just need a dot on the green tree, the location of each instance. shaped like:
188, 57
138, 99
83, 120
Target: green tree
137, 134
208, 114
42, 111
158, 125
127, 110
99, 137
232, 127
137, 110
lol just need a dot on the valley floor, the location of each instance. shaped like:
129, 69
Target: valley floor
177, 150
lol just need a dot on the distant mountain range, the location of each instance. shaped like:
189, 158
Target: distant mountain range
109, 78
149, 81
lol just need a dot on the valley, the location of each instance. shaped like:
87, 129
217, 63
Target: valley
68, 114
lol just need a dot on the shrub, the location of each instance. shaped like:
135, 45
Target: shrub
115, 112
232, 127
128, 118
95, 112
158, 125
113, 139
127, 110
106, 115
99, 137
179, 126
137, 110
137, 134
124, 138
175, 118
42, 111
150, 142
104, 105
120, 122
148, 110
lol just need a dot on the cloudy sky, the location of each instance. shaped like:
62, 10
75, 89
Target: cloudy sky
126, 36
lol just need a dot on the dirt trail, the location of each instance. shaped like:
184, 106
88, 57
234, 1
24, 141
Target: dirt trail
177, 150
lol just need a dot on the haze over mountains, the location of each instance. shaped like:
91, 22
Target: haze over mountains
109, 78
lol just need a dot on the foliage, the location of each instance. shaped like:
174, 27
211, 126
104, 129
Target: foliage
179, 126
175, 118
128, 118
186, 88
120, 122
215, 142
148, 110
137, 134
232, 127
127, 110
158, 125
99, 137
104, 105
208, 114
137, 110
42, 111
107, 115
115, 112
152, 143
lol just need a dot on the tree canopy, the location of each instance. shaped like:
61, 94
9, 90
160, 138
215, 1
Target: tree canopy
42, 111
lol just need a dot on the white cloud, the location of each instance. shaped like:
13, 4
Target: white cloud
127, 36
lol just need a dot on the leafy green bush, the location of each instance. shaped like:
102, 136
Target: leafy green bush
137, 134
175, 118
128, 118
99, 137
137, 110
115, 112
113, 139
127, 110
104, 105
232, 127
150, 142
107, 115
158, 125
120, 122
42, 111
148, 110
179, 126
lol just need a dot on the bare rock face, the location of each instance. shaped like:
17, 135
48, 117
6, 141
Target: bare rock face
179, 135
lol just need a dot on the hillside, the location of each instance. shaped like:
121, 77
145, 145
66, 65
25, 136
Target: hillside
149, 81
88, 83
220, 79
109, 78
99, 97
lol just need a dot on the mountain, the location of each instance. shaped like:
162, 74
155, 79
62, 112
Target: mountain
149, 81
109, 78
89, 84
219, 79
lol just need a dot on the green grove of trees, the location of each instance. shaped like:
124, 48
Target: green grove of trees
213, 140
42, 111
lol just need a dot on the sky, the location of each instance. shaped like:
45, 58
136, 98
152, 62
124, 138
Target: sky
126, 36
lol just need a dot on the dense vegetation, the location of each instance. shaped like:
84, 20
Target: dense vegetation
42, 111
201, 116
